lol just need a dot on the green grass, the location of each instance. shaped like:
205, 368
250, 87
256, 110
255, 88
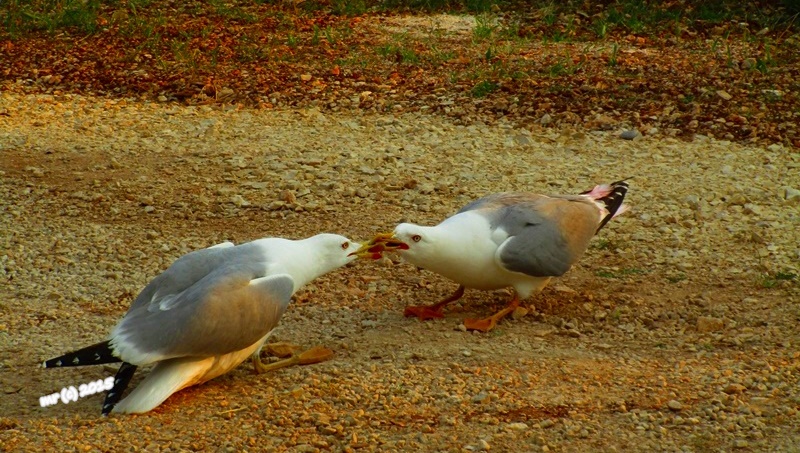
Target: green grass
773, 280
484, 27
20, 17
676, 278
349, 7
484, 88
399, 53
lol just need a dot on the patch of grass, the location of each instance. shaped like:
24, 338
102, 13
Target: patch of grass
600, 28
484, 88
602, 244
399, 53
605, 274
478, 6
349, 7
315, 36
706, 346
484, 27
763, 62
773, 280
562, 67
249, 49
633, 271
676, 278
330, 35
20, 17
185, 56
232, 11
612, 59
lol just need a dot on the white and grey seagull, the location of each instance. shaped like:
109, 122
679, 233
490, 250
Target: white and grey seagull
208, 312
510, 239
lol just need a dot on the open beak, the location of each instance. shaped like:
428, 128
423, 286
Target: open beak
384, 242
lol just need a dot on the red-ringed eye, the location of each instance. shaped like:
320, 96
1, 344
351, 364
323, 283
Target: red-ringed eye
345, 245
416, 238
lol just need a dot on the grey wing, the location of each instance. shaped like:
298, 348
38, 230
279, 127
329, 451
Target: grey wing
535, 246
545, 237
184, 272
228, 310
485, 202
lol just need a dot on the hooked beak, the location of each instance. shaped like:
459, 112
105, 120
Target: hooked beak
383, 242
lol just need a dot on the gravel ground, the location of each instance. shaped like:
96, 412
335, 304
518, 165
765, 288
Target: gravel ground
676, 332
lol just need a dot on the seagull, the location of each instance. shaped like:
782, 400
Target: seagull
509, 239
204, 315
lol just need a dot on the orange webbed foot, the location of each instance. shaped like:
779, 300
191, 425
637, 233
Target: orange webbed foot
424, 313
482, 325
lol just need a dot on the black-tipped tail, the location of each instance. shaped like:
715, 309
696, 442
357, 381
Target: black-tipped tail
96, 354
613, 201
121, 381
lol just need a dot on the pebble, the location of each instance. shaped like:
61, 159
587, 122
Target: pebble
519, 312
518, 426
631, 134
707, 324
674, 405
734, 389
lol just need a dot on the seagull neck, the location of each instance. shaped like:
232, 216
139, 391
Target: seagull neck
305, 262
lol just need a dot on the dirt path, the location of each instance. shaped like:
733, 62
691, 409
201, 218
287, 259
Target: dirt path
677, 332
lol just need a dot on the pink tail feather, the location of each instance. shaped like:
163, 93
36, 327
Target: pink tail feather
611, 195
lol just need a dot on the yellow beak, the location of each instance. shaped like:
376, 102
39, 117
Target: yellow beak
383, 242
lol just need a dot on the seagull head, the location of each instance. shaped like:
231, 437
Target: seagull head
336, 250
408, 239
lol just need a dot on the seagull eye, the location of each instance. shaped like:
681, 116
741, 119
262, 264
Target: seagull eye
345, 245
416, 238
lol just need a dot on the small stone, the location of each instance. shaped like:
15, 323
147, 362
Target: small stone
519, 313
543, 331
545, 119
523, 140
674, 405
239, 201
740, 443
480, 397
546, 423
287, 196
305, 77
790, 193
517, 426
630, 134
724, 95
734, 388
707, 324
149, 209
483, 445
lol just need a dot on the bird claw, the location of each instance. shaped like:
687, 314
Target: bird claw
423, 313
314, 355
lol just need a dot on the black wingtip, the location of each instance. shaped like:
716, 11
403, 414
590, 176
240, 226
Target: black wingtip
96, 354
121, 381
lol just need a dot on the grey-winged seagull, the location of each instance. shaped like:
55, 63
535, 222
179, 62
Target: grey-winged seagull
510, 239
206, 314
